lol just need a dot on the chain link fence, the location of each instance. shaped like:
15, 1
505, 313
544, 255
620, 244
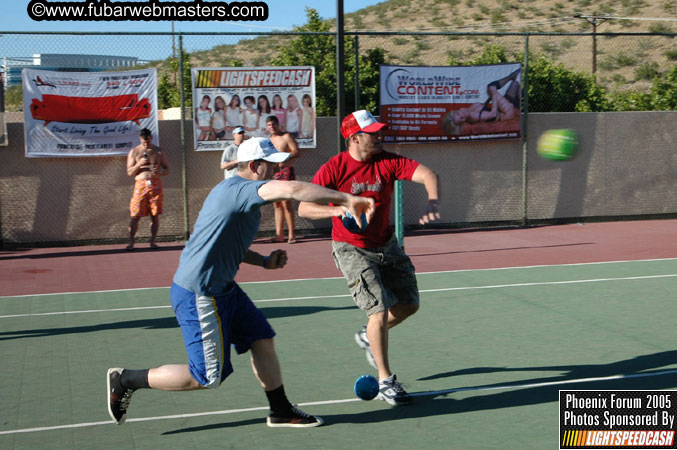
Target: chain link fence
498, 182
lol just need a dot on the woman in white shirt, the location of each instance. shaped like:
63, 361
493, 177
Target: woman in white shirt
233, 114
203, 115
219, 119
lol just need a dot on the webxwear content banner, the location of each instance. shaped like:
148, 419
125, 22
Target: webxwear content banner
443, 104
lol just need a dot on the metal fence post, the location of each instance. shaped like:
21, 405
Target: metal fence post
356, 41
525, 146
184, 158
340, 77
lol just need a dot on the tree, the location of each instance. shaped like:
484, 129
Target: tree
554, 88
320, 51
664, 91
14, 98
168, 93
661, 97
370, 79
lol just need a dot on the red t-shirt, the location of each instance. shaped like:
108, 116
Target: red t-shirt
373, 178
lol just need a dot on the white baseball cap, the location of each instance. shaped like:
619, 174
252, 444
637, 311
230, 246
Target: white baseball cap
238, 130
260, 148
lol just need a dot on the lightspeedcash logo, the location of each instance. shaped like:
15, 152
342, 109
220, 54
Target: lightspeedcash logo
150, 10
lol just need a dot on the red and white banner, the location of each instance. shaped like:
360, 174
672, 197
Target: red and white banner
443, 104
87, 113
227, 97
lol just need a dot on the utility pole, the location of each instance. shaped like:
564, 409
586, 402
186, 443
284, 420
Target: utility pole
594, 21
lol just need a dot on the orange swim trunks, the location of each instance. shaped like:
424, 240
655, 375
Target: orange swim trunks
147, 197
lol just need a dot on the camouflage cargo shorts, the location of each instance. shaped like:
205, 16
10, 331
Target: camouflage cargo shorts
378, 278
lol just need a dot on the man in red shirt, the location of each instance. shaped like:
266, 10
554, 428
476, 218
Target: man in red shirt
380, 275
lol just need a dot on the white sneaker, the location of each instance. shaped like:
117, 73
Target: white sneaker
363, 342
392, 392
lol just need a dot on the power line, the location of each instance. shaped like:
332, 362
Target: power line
608, 17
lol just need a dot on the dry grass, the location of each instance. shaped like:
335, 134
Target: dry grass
619, 59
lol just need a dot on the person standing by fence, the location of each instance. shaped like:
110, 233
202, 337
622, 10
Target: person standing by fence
146, 163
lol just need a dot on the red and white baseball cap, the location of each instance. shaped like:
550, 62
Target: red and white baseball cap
361, 120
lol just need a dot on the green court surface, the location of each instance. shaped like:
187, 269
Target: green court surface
485, 356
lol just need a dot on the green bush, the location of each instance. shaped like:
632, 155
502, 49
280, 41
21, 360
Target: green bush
624, 60
647, 71
660, 28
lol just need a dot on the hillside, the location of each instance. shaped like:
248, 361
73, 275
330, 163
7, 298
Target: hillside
621, 61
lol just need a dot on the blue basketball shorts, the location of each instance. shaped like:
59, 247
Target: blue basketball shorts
210, 325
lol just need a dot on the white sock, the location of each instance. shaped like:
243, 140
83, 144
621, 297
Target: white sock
390, 379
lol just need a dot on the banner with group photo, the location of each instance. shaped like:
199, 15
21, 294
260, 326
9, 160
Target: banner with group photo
87, 113
444, 104
228, 97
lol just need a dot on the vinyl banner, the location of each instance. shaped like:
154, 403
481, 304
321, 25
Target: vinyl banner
87, 114
225, 98
443, 104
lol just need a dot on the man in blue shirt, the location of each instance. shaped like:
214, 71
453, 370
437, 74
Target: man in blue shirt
211, 309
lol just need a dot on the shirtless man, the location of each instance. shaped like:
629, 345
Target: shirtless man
146, 163
283, 142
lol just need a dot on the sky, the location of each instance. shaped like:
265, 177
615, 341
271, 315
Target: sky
283, 14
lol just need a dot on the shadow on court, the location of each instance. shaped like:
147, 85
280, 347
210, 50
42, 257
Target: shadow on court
140, 248
438, 403
218, 426
432, 406
636, 365
271, 312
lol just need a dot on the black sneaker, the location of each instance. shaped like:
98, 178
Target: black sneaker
294, 419
392, 392
363, 342
117, 397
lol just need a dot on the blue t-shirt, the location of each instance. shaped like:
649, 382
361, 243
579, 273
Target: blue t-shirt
224, 230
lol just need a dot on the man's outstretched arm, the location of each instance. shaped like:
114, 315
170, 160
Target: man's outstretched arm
275, 191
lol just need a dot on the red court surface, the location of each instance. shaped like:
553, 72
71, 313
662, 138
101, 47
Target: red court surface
109, 267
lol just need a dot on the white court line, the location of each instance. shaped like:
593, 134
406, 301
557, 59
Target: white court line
422, 291
340, 278
347, 400
545, 283
551, 265
84, 311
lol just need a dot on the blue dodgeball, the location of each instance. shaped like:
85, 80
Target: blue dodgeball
351, 225
366, 387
